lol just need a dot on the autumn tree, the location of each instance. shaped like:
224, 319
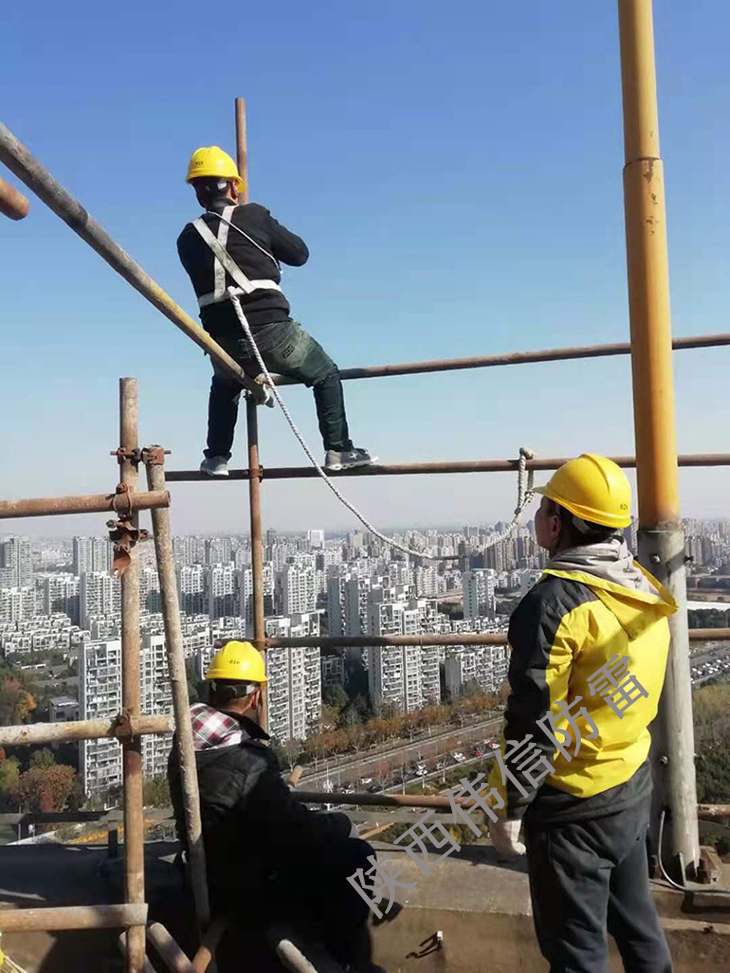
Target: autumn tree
16, 703
45, 789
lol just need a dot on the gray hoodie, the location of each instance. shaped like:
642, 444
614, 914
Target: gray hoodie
612, 561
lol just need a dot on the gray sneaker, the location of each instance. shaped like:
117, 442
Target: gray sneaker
348, 459
214, 466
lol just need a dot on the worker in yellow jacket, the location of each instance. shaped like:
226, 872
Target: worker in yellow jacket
589, 650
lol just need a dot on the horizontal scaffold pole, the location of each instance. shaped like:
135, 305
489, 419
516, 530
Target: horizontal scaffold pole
415, 469
93, 503
516, 358
20, 161
73, 730
73, 917
330, 644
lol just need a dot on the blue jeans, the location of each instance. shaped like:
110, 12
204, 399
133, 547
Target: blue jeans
287, 349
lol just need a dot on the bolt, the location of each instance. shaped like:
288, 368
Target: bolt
664, 760
655, 559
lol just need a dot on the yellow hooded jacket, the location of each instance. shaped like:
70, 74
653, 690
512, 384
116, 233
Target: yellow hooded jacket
593, 605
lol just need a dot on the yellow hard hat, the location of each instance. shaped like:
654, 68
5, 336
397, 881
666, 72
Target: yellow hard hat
593, 488
210, 160
237, 660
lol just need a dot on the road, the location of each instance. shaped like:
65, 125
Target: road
383, 766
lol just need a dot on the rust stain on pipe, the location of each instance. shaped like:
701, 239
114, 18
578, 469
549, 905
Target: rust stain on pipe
73, 917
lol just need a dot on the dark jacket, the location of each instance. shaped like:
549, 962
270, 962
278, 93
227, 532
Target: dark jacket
264, 306
253, 826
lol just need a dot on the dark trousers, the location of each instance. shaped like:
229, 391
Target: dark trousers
287, 349
591, 877
312, 896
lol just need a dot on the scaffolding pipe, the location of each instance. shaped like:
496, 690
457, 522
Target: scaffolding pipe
661, 541
20, 161
13, 204
37, 733
211, 940
330, 645
92, 503
74, 917
131, 685
415, 469
168, 950
254, 479
515, 358
154, 459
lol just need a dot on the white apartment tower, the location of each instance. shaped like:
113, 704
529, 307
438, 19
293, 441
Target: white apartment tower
221, 584
100, 671
99, 594
479, 598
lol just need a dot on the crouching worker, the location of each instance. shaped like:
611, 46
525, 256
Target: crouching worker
589, 650
270, 859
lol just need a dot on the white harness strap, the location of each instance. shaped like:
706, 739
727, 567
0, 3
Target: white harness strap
224, 263
219, 271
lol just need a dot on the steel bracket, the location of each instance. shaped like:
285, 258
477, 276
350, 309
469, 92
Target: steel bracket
123, 729
154, 455
134, 456
125, 536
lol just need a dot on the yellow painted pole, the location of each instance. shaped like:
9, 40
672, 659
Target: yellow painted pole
648, 271
661, 542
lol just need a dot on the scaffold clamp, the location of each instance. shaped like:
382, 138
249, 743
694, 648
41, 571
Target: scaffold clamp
124, 536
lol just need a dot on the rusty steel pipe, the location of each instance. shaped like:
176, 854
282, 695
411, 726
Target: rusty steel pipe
13, 204
330, 644
254, 479
690, 460
74, 917
154, 462
168, 950
92, 503
36, 733
132, 685
211, 941
515, 358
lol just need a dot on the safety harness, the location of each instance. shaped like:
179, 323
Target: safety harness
224, 262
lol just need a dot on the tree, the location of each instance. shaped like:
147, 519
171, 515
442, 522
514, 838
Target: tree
328, 717
157, 792
42, 758
16, 703
336, 697
9, 778
46, 789
292, 749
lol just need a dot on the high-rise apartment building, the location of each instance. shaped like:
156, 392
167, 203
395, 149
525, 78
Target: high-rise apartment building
221, 589
91, 554
16, 562
315, 538
295, 679
479, 597
296, 590
17, 604
100, 671
191, 589
60, 593
99, 594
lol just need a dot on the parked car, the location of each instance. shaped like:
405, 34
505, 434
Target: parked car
458, 756
366, 780
492, 745
440, 763
374, 788
478, 752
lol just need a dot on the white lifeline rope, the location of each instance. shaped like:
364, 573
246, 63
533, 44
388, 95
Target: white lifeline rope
524, 494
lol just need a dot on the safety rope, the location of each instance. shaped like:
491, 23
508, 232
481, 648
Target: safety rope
524, 476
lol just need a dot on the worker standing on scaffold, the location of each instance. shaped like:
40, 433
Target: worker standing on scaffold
257, 243
589, 651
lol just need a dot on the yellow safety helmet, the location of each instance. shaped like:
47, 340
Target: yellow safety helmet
210, 160
593, 488
237, 660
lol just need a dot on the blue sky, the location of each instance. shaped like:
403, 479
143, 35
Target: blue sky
456, 172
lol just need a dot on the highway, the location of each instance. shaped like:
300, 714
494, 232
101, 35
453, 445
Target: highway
382, 766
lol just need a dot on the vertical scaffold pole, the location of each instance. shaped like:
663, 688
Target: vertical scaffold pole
131, 686
661, 541
252, 426
154, 459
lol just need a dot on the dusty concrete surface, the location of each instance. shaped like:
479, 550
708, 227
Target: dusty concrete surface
481, 906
